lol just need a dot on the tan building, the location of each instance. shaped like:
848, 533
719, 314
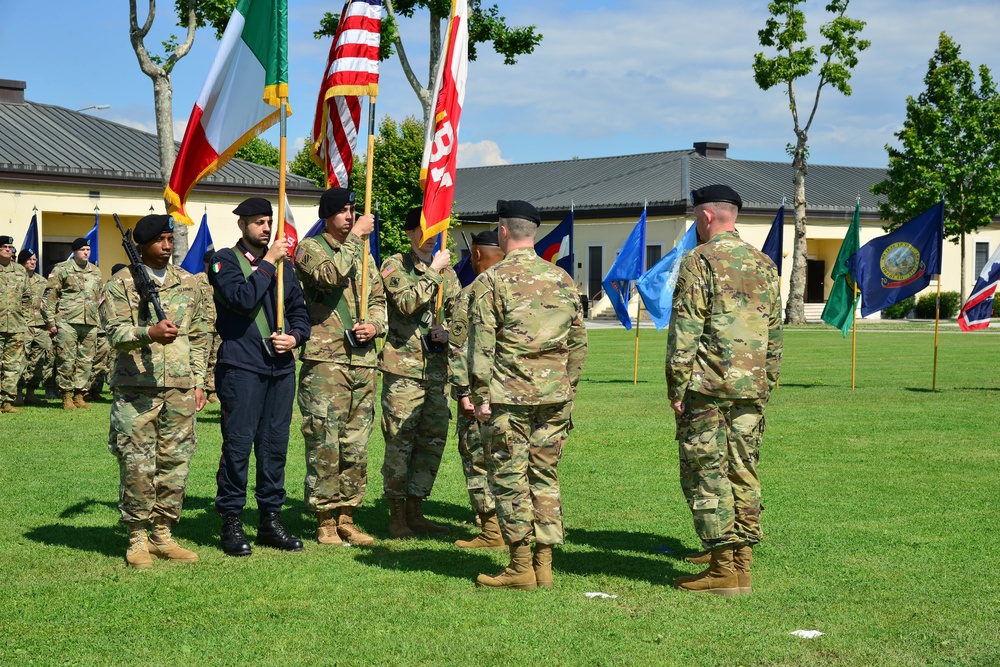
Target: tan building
608, 195
63, 165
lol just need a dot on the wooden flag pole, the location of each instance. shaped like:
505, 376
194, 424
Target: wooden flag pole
854, 343
440, 298
937, 321
635, 363
369, 164
280, 232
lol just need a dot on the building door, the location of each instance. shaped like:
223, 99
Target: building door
55, 252
653, 255
815, 279
595, 270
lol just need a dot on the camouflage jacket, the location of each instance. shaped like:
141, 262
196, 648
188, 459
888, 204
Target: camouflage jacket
528, 340
15, 298
139, 361
207, 299
725, 331
458, 341
36, 284
323, 279
71, 294
411, 288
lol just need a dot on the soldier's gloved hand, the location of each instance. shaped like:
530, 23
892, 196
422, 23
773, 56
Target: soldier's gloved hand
278, 249
483, 413
199, 399
441, 260
364, 225
363, 331
163, 332
438, 333
466, 408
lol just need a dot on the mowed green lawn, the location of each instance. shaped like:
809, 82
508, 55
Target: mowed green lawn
880, 518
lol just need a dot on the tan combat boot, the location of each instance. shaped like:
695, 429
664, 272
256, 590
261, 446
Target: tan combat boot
137, 555
30, 398
519, 574
349, 532
326, 531
542, 563
488, 538
699, 558
7, 407
68, 403
397, 520
416, 520
162, 544
78, 400
719, 579
742, 560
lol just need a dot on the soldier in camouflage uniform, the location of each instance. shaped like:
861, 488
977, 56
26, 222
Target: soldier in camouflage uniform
723, 357
414, 361
338, 379
485, 253
69, 305
15, 300
103, 359
214, 341
37, 342
158, 384
527, 352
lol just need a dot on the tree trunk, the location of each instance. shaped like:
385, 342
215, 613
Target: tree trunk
961, 289
795, 305
163, 104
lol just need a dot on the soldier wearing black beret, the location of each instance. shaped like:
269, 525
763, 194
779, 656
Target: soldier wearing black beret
37, 343
15, 302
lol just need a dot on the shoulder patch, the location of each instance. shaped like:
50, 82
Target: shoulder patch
393, 283
216, 267
299, 252
388, 270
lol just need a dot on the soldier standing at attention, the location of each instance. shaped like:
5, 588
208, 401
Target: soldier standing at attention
338, 378
527, 352
255, 375
37, 342
485, 253
208, 297
15, 302
723, 358
158, 383
70, 310
414, 360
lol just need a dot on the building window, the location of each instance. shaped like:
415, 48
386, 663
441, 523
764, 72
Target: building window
653, 255
982, 255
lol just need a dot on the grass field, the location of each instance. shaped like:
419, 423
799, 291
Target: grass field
880, 531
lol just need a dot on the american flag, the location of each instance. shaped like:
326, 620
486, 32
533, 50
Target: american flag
351, 72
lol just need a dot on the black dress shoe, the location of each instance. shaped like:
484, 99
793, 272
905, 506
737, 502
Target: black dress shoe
272, 533
234, 541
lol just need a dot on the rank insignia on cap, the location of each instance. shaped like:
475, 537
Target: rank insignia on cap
216, 267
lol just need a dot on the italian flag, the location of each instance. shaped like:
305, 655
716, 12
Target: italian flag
240, 99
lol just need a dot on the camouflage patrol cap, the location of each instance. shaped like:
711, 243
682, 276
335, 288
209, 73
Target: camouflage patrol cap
713, 193
253, 206
150, 227
413, 218
488, 237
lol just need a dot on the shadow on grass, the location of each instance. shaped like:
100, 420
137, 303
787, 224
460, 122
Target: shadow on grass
652, 557
456, 563
802, 385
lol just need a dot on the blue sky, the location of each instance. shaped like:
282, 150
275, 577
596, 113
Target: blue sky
609, 78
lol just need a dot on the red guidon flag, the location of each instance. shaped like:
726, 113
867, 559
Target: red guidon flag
351, 72
240, 98
291, 234
437, 170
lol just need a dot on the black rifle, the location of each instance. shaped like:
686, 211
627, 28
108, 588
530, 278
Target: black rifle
147, 288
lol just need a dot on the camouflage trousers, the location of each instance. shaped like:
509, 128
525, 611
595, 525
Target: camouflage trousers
11, 363
37, 357
470, 448
524, 447
338, 411
153, 437
100, 370
75, 345
415, 418
213, 353
719, 442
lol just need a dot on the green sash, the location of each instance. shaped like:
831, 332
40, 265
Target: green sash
259, 318
335, 298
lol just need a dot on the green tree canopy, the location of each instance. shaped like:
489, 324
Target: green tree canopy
260, 151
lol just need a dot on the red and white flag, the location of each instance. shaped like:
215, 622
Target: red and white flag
351, 72
437, 169
240, 98
291, 234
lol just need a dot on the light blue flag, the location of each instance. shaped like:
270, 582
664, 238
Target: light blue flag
656, 286
627, 267
194, 259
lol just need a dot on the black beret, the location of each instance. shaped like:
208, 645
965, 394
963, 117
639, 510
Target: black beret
24, 255
207, 257
253, 206
413, 218
80, 243
711, 193
518, 209
150, 227
4, 240
489, 237
333, 200
117, 267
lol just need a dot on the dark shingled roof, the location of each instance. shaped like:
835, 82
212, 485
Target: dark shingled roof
620, 185
45, 141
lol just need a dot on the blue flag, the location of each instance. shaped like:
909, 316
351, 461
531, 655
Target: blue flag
31, 242
775, 239
464, 270
900, 264
316, 229
557, 245
656, 286
374, 242
92, 239
626, 268
194, 259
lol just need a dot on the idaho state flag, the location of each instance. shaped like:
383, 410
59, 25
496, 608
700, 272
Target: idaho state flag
557, 246
900, 264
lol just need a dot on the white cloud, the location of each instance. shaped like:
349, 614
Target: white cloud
483, 153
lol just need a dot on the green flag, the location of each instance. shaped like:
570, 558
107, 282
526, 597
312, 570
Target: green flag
839, 310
